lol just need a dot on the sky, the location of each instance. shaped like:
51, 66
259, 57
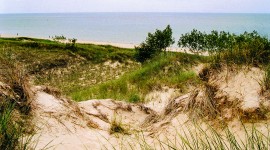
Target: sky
207, 6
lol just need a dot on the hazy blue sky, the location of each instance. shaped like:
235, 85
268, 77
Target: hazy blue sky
234, 6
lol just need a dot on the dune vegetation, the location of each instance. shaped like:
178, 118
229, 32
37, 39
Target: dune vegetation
85, 71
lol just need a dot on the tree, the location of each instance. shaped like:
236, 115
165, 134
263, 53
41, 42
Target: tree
71, 44
154, 44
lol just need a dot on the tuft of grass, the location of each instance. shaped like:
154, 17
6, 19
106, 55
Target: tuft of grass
116, 126
134, 98
12, 130
9, 130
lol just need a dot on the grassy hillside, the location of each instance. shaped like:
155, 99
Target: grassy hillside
172, 70
95, 71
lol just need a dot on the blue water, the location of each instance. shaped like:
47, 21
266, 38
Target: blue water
127, 27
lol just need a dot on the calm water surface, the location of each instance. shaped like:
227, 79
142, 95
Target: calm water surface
127, 27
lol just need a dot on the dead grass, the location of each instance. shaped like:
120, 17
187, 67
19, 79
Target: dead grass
16, 80
53, 91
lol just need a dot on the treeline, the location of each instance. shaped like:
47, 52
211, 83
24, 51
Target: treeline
250, 48
222, 46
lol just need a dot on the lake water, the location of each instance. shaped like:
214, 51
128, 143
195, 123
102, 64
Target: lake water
129, 28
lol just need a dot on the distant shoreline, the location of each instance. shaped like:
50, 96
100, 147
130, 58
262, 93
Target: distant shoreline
121, 45
116, 44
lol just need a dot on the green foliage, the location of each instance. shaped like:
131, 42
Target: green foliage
249, 48
9, 133
154, 44
266, 79
71, 44
59, 38
13, 128
134, 98
194, 41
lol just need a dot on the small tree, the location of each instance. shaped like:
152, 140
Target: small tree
71, 44
154, 44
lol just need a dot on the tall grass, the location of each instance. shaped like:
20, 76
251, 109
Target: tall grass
227, 139
9, 131
15, 99
197, 136
266, 79
12, 131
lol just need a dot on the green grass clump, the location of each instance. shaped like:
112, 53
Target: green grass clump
116, 126
12, 129
133, 98
9, 130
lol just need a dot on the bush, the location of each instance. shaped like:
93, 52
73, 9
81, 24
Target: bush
249, 48
134, 98
71, 44
154, 44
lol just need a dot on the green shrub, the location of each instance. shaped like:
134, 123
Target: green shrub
246, 48
154, 44
71, 44
134, 98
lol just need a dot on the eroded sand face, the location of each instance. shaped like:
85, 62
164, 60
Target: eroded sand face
64, 124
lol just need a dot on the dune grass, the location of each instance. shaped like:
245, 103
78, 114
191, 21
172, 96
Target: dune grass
52, 64
195, 136
171, 69
15, 97
13, 130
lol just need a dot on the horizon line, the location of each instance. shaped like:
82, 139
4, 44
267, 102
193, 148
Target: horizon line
136, 12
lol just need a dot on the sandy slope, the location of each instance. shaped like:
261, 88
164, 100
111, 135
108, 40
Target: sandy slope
63, 124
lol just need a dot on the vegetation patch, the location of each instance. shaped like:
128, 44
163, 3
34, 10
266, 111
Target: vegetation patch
169, 69
15, 108
117, 127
